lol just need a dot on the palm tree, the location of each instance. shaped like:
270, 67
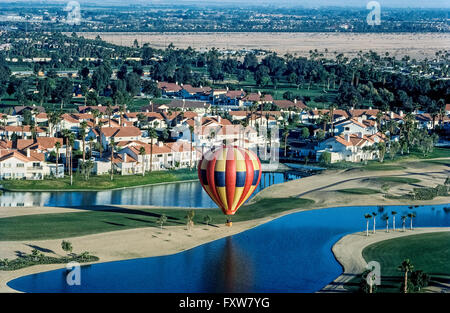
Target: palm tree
191, 131
404, 217
374, 215
332, 107
411, 216
285, 135
112, 146
152, 134
393, 219
53, 119
207, 219
122, 110
66, 134
367, 217
83, 126
406, 267
142, 154
71, 140
91, 142
57, 147
99, 130
109, 112
385, 218
161, 220
190, 218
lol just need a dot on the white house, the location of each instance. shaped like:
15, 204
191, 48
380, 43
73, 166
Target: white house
16, 164
349, 147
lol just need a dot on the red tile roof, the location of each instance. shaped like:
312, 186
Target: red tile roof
169, 87
120, 131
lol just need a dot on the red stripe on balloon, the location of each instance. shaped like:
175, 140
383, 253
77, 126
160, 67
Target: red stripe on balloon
199, 170
260, 168
211, 182
230, 177
248, 178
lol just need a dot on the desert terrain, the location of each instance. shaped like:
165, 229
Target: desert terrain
416, 45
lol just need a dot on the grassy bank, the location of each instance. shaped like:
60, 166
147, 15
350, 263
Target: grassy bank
427, 252
101, 182
398, 163
85, 222
396, 180
358, 191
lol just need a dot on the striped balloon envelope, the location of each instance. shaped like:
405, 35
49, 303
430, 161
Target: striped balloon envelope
229, 175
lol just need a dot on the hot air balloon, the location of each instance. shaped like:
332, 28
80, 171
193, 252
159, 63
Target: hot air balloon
229, 176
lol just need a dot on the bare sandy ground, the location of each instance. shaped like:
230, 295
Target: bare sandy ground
416, 45
348, 252
146, 242
323, 188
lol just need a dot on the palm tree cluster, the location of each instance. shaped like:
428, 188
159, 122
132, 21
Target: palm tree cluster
385, 217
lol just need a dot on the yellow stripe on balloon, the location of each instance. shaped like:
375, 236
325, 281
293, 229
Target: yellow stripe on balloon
240, 167
237, 196
222, 192
221, 166
249, 193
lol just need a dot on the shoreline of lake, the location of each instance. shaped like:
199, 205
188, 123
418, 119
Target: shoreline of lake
320, 188
128, 244
348, 252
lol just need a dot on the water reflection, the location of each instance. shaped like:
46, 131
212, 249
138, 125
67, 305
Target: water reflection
185, 194
290, 254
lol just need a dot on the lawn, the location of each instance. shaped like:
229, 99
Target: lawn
427, 252
101, 182
63, 225
383, 167
396, 180
359, 191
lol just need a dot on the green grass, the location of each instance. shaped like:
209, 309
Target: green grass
396, 180
427, 252
438, 152
382, 167
440, 162
359, 191
85, 222
28, 260
102, 182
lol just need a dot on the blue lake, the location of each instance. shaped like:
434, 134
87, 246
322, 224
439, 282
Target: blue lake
289, 254
183, 194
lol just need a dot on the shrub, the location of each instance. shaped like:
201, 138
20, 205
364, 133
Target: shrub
325, 157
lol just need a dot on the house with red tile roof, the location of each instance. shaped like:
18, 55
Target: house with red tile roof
169, 89
101, 108
21, 131
353, 126
116, 133
349, 147
43, 145
162, 156
190, 92
253, 98
288, 105
28, 164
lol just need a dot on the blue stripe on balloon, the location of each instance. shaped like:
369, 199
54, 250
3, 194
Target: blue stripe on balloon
240, 179
255, 177
219, 179
204, 177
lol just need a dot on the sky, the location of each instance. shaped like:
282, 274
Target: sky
306, 3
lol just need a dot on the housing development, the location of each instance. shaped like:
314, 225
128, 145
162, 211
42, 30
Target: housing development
128, 165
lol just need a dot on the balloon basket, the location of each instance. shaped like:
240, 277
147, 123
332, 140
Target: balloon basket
229, 224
